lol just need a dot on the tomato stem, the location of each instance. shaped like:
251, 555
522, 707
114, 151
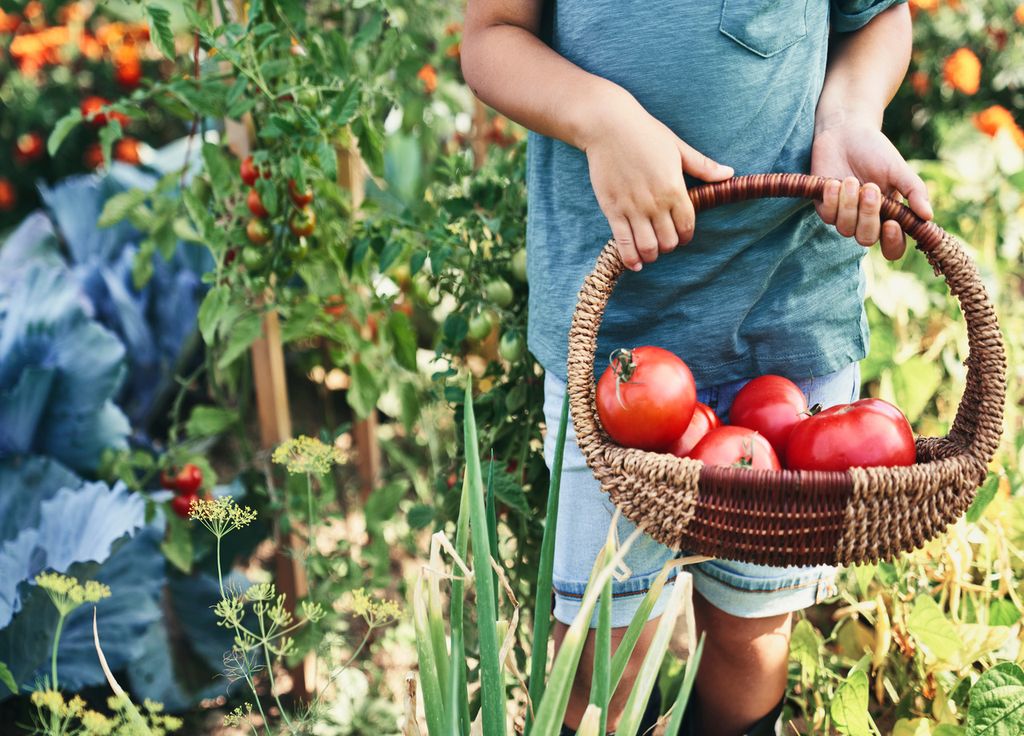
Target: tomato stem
812, 410
621, 361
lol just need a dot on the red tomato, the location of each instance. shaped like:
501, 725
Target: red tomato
864, 434
258, 232
255, 204
771, 405
703, 421
189, 480
91, 108
168, 479
181, 504
736, 446
8, 195
92, 156
127, 150
28, 147
646, 398
300, 197
248, 171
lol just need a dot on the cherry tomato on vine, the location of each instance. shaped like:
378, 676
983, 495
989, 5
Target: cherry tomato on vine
28, 147
183, 503
702, 422
498, 292
92, 111
230, 255
169, 479
253, 259
518, 265
867, 433
255, 204
249, 173
8, 195
646, 398
302, 222
736, 446
258, 232
511, 346
480, 325
300, 197
127, 150
772, 406
189, 479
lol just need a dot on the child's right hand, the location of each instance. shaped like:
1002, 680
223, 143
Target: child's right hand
636, 169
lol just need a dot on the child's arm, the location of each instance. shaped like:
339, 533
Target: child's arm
636, 162
864, 71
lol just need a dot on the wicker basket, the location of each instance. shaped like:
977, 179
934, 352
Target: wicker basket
800, 517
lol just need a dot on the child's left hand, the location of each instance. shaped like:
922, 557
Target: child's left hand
856, 152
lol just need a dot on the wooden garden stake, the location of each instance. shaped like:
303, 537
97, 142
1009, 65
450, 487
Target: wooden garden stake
352, 176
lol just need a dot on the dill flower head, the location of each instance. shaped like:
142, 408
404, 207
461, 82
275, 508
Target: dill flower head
376, 612
221, 515
306, 455
67, 593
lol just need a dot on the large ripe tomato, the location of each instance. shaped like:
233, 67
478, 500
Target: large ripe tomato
646, 398
189, 479
864, 434
703, 421
302, 222
772, 406
182, 504
736, 446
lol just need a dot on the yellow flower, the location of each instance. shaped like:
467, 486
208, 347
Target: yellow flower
50, 700
374, 612
221, 515
67, 593
97, 724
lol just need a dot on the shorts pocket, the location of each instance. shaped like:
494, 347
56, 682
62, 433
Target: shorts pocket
765, 27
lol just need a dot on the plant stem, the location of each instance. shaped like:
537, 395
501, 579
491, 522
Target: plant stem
259, 705
270, 673
53, 656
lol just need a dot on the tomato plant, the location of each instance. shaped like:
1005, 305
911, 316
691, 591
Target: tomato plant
646, 398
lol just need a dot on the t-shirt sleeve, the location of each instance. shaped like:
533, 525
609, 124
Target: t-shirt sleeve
852, 15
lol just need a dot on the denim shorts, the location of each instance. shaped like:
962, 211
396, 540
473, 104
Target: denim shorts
585, 513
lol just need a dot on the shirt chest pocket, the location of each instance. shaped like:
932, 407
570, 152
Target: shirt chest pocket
765, 27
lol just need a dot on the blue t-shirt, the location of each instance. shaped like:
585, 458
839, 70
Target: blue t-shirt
765, 286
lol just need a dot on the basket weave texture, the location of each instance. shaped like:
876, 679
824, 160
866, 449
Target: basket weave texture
800, 517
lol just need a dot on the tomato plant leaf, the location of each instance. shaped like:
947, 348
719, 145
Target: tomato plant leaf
933, 631
211, 311
404, 338
849, 707
363, 392
242, 335
160, 29
120, 205
8, 679
61, 130
218, 168
177, 545
209, 421
110, 134
997, 702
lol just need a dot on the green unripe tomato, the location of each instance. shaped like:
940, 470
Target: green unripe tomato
480, 325
253, 259
519, 265
499, 293
511, 346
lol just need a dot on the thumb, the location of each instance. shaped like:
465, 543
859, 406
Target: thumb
911, 186
697, 164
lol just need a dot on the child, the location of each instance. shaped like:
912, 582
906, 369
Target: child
627, 100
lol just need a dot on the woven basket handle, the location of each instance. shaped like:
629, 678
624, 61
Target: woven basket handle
979, 418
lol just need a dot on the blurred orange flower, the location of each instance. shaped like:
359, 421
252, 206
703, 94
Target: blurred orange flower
995, 118
428, 75
127, 150
1018, 14
925, 5
962, 71
919, 83
8, 197
9, 22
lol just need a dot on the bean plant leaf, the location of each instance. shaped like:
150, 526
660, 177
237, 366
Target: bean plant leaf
932, 630
864, 575
997, 702
912, 727
1002, 612
8, 679
849, 708
160, 29
804, 647
60, 131
983, 498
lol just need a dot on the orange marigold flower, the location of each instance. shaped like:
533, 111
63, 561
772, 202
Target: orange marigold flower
925, 5
452, 28
33, 10
995, 118
453, 51
428, 75
1018, 14
90, 47
962, 71
919, 82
